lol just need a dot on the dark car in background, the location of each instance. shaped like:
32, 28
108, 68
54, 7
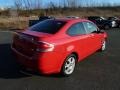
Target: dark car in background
102, 22
41, 18
116, 19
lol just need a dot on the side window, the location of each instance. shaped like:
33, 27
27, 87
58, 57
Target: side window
76, 29
90, 27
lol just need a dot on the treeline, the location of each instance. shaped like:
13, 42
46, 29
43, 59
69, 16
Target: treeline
61, 7
38, 4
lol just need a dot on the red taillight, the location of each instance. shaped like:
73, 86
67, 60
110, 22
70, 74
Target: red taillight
44, 47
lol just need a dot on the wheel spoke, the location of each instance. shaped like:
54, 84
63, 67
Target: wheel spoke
72, 60
67, 64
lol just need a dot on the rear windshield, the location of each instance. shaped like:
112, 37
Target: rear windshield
48, 26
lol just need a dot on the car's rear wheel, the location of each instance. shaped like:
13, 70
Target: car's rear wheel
69, 65
119, 26
107, 27
103, 48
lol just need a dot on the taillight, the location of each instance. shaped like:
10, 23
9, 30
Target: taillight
44, 47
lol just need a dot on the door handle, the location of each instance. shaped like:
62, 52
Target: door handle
92, 35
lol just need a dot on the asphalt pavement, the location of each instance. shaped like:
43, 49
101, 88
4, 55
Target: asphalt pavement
100, 71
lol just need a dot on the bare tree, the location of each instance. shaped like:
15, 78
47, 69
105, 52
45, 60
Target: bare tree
52, 5
71, 3
27, 4
18, 4
65, 3
32, 4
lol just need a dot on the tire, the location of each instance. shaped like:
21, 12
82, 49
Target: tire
103, 46
119, 26
107, 27
69, 65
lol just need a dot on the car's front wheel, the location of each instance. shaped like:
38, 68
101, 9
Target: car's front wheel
69, 65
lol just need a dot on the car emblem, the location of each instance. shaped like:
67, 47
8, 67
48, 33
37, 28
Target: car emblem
32, 49
32, 39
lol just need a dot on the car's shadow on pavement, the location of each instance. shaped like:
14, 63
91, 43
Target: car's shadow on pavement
8, 67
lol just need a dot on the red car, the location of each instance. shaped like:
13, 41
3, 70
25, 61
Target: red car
56, 46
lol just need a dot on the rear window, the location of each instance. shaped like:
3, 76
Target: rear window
48, 26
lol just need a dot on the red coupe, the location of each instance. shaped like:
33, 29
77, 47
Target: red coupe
57, 45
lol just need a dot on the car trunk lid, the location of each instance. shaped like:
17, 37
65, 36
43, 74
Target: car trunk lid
26, 42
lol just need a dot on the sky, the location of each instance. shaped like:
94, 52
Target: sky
4, 3
7, 3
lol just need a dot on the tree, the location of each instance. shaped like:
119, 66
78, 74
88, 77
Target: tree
18, 4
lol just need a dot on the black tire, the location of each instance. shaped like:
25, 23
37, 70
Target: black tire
106, 27
64, 71
119, 26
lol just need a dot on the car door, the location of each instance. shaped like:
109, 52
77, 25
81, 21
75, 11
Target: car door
80, 38
94, 40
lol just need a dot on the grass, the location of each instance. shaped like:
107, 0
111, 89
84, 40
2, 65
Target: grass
12, 23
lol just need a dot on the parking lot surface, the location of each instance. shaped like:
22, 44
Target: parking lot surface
100, 71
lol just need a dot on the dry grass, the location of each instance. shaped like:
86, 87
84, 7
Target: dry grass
84, 12
12, 23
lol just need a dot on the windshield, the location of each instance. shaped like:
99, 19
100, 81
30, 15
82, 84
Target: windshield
48, 26
112, 18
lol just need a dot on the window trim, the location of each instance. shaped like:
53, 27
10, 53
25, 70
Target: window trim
72, 26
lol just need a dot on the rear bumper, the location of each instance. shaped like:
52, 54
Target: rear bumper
45, 63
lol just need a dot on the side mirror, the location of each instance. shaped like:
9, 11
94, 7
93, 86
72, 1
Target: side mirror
101, 31
98, 31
